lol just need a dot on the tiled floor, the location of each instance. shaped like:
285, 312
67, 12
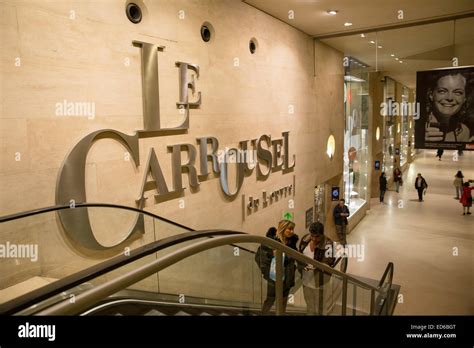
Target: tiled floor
422, 240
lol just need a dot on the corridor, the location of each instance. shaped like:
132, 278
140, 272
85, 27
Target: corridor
430, 243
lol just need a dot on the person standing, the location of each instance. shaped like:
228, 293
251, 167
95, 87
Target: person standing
421, 186
439, 153
466, 199
458, 184
397, 178
340, 214
383, 186
285, 235
316, 246
264, 255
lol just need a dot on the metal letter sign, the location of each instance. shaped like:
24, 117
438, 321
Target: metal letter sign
71, 181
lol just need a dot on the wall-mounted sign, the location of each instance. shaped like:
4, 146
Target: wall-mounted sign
309, 217
377, 165
270, 155
253, 204
335, 193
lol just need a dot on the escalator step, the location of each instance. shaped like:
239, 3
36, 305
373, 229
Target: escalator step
154, 312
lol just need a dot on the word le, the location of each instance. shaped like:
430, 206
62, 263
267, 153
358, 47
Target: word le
24, 251
37, 331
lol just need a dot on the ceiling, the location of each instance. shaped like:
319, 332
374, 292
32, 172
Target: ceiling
421, 47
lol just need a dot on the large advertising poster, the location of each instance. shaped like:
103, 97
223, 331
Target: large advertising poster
446, 107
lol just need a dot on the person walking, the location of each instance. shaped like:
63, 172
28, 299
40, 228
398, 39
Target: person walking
466, 199
285, 235
439, 153
458, 184
421, 186
397, 178
383, 186
316, 289
340, 214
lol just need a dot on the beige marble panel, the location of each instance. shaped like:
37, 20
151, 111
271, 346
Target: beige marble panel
83, 60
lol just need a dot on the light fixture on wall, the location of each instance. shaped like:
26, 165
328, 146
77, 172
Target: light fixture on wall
377, 133
332, 12
207, 31
410, 124
347, 24
253, 45
398, 128
133, 12
331, 147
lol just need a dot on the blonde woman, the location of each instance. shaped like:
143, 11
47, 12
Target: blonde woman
285, 234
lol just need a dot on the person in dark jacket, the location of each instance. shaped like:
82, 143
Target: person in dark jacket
264, 254
285, 235
340, 214
439, 153
420, 185
317, 246
383, 186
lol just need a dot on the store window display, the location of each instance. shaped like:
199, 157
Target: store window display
356, 141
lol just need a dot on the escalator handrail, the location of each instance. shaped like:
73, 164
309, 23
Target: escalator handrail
24, 301
388, 272
85, 299
29, 213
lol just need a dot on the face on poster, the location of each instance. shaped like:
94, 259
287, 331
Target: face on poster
446, 117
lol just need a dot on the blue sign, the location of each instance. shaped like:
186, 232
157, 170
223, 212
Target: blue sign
377, 165
335, 193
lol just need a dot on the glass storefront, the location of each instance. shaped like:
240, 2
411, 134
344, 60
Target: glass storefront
389, 130
356, 138
404, 147
320, 203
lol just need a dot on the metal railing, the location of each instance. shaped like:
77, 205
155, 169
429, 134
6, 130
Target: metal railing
88, 298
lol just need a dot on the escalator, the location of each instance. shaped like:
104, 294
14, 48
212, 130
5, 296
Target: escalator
170, 271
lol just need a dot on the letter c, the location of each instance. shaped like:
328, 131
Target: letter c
71, 185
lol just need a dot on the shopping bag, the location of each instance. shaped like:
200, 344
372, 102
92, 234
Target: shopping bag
273, 268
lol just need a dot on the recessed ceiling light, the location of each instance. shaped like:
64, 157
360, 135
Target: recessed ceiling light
332, 12
392, 55
379, 46
347, 24
362, 35
400, 61
396, 58
372, 42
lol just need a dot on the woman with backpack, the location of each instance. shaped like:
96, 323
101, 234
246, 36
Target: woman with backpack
285, 235
458, 184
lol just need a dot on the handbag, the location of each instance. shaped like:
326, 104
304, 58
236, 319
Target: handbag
272, 273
